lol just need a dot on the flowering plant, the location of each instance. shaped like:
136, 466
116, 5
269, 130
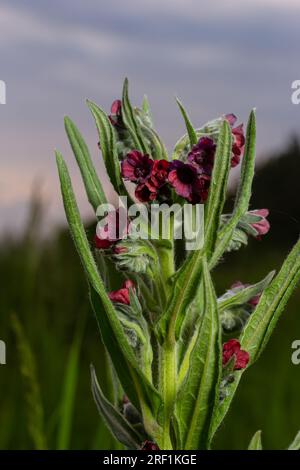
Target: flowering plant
165, 328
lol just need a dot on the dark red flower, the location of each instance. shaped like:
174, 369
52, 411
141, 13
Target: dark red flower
115, 229
159, 173
122, 295
102, 244
145, 192
262, 226
187, 183
149, 445
233, 348
136, 167
116, 113
238, 140
202, 155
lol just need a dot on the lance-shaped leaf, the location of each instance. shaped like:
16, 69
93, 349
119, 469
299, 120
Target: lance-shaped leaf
295, 445
131, 122
136, 385
218, 188
120, 428
243, 193
233, 298
272, 302
200, 391
262, 322
189, 127
91, 181
255, 443
108, 147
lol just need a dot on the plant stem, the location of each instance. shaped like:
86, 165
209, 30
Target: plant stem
168, 389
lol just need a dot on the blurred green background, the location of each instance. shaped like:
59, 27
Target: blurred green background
51, 335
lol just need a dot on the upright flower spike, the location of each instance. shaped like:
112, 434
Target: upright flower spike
188, 386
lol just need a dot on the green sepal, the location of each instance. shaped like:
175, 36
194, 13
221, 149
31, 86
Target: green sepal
234, 297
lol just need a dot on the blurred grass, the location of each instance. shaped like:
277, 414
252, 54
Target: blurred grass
51, 345
43, 284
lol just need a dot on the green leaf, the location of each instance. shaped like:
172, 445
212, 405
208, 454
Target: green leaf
218, 188
243, 193
200, 391
91, 181
189, 127
108, 147
120, 428
131, 122
240, 297
272, 302
184, 289
263, 320
255, 443
295, 445
136, 385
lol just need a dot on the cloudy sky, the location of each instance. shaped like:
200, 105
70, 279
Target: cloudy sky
218, 56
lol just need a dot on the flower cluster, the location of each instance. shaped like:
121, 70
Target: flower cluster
155, 177
190, 179
233, 349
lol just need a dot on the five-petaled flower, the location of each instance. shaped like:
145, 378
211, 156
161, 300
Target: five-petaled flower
122, 295
202, 156
136, 167
238, 139
233, 348
187, 183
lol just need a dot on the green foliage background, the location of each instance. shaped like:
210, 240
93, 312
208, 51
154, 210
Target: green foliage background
43, 292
